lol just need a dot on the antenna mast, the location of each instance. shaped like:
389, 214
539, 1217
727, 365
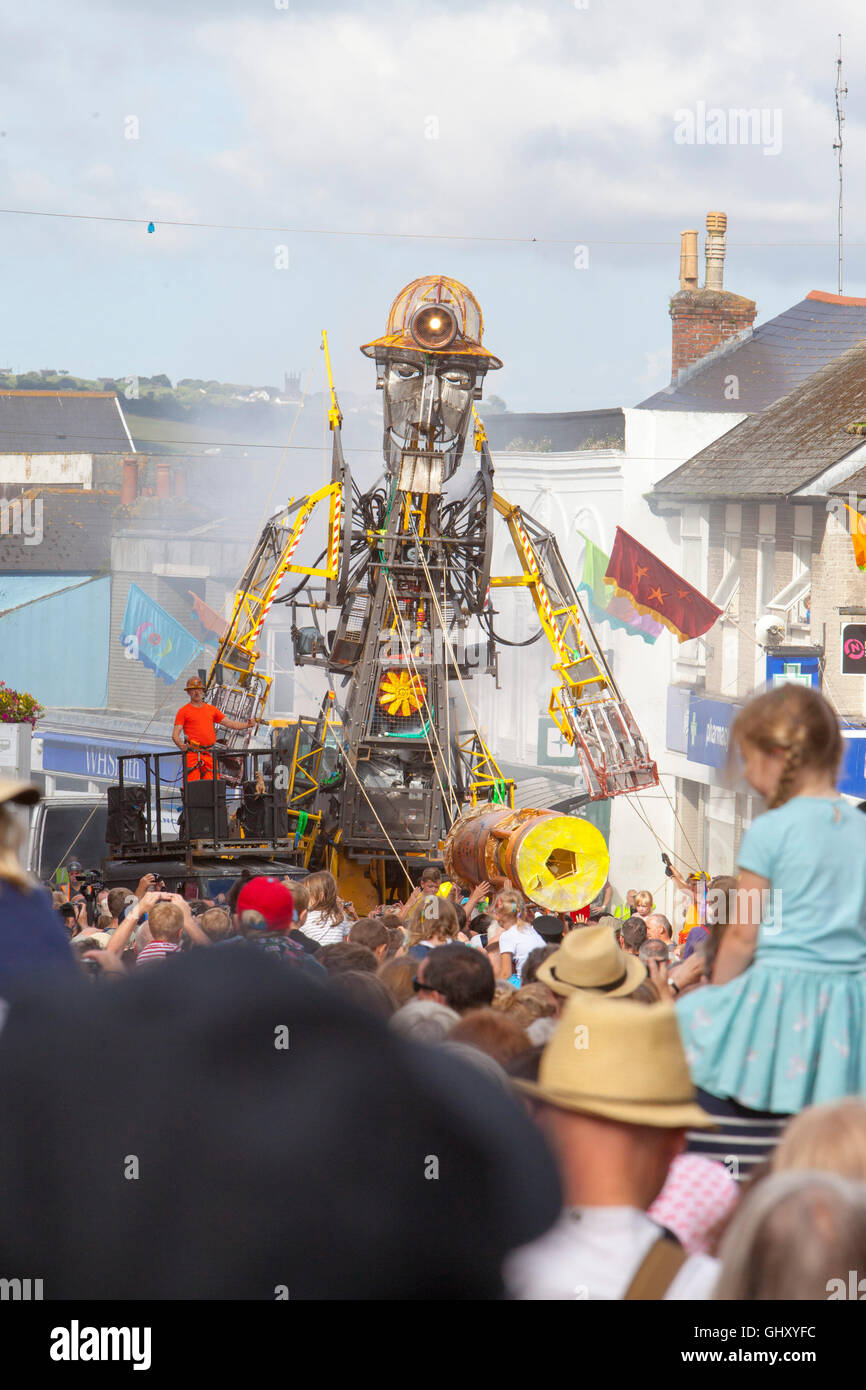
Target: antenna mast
841, 93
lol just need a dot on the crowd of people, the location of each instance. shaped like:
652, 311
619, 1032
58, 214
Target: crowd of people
588, 1105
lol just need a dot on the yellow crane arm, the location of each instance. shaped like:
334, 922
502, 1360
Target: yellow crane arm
586, 706
270, 563
560, 612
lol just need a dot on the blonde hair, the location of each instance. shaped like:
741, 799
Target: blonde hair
796, 720
643, 896
509, 902
827, 1138
216, 923
11, 840
165, 921
432, 919
322, 890
300, 894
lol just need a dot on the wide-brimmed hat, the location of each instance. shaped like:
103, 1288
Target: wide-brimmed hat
619, 1060
590, 959
194, 683
24, 793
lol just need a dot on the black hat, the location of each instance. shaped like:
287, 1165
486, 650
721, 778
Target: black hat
549, 927
268, 1135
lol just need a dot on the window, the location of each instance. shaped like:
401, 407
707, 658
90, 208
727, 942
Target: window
766, 520
726, 595
693, 536
793, 598
693, 543
766, 566
733, 519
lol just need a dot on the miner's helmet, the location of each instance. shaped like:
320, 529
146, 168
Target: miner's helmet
194, 683
435, 315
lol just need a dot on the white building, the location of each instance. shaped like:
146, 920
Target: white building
584, 474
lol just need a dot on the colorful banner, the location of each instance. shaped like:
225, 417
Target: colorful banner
657, 590
153, 637
210, 620
604, 604
858, 538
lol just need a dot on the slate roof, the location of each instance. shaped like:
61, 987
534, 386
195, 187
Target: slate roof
62, 422
566, 430
785, 447
775, 358
76, 534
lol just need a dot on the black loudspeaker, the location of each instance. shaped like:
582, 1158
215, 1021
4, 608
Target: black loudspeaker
199, 809
264, 817
125, 823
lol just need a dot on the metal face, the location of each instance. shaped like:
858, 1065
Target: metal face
428, 404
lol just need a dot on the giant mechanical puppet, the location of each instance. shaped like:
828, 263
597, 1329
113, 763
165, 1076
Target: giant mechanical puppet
394, 767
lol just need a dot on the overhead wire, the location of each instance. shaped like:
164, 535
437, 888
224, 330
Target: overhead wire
150, 221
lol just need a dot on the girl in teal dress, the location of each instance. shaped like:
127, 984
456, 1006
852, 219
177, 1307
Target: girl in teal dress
783, 1024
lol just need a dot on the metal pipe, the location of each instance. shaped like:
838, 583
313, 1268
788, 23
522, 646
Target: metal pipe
717, 223
689, 259
559, 862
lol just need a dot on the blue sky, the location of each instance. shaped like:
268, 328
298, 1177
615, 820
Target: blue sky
554, 122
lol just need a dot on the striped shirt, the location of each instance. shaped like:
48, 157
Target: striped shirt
325, 932
157, 950
743, 1140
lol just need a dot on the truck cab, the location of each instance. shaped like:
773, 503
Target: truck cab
66, 827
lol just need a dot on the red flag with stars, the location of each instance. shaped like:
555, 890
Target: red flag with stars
657, 590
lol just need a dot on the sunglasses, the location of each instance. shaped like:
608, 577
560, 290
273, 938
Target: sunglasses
418, 985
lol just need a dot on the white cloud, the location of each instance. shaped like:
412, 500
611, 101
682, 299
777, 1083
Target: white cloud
549, 119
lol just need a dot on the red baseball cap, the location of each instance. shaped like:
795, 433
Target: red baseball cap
270, 900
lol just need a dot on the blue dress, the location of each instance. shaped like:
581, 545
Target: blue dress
791, 1030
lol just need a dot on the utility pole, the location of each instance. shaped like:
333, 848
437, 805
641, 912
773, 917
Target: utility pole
841, 94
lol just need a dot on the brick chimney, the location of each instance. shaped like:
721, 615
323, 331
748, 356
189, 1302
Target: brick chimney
129, 482
704, 319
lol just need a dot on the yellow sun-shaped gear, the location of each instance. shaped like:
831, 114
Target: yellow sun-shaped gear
400, 693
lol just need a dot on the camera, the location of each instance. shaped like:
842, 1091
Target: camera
88, 878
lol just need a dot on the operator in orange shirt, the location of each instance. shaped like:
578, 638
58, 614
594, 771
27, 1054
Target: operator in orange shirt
194, 728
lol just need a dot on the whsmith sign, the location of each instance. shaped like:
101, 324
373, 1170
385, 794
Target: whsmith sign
96, 759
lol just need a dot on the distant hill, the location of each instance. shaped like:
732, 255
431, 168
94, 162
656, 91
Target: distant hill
198, 417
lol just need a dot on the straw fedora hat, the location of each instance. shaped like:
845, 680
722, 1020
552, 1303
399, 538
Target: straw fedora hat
620, 1060
590, 959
